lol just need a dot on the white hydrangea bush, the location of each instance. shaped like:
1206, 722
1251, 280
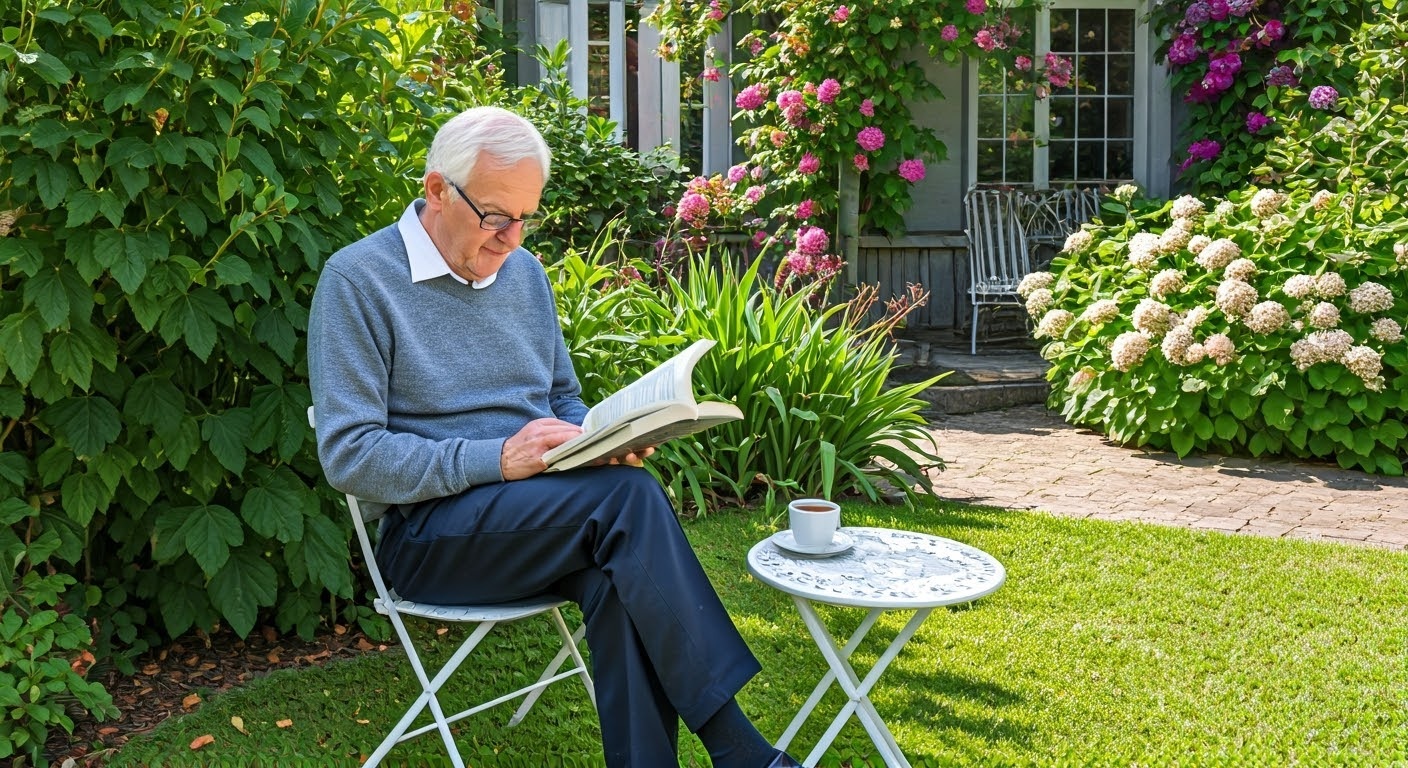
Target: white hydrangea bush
1271, 322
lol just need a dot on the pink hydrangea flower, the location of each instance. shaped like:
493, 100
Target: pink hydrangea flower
809, 164
870, 138
711, 74
827, 92
806, 209
1184, 49
912, 170
867, 108
985, 40
1257, 121
812, 241
840, 15
755, 47
976, 7
694, 208
737, 173
752, 97
1323, 97
760, 237
1023, 63
861, 162
715, 12
778, 138
791, 97
1058, 70
757, 173
753, 194
949, 33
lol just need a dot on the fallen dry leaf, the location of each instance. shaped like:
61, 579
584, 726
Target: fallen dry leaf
363, 645
191, 660
441, 630
190, 701
273, 657
283, 723
151, 669
201, 741
238, 722
108, 730
338, 629
271, 635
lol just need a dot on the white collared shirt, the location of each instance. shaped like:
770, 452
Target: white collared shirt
425, 258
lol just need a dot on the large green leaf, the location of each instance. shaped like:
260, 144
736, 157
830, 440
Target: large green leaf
208, 532
87, 424
227, 433
153, 400
245, 583
21, 337
323, 550
274, 507
83, 495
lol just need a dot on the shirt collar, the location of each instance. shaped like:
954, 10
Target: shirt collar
425, 259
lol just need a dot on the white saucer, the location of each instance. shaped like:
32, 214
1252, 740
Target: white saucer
840, 543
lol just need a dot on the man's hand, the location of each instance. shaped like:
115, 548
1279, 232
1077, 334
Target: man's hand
523, 453
634, 459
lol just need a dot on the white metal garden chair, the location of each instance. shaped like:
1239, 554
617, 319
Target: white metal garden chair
484, 618
998, 257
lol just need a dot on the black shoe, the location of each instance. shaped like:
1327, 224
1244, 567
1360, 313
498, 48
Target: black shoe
784, 760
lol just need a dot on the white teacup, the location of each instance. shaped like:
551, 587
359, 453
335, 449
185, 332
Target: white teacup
813, 521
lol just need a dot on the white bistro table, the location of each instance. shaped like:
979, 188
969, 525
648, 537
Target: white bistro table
887, 570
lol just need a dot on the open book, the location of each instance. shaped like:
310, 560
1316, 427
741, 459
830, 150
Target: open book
658, 406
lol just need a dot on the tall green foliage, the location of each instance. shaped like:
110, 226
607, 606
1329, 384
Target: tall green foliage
174, 175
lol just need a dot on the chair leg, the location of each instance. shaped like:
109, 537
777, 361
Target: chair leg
569, 648
974, 349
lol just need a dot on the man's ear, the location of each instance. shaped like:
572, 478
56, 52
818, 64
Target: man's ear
436, 190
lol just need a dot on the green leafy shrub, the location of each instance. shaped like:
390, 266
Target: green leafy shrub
173, 176
1267, 323
819, 418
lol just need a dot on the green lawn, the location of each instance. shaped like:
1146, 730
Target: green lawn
1110, 644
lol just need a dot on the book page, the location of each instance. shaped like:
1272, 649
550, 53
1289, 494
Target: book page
668, 383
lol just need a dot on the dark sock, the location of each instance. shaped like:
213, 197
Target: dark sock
732, 740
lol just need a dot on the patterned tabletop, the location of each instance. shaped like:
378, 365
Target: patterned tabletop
886, 569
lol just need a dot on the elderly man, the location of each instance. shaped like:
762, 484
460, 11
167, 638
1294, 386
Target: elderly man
440, 376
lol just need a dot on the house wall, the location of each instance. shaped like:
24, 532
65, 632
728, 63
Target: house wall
938, 198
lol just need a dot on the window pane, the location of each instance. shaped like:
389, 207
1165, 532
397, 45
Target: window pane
1090, 30
1120, 159
989, 161
1062, 155
1021, 113
1090, 117
1092, 74
1063, 26
1019, 162
990, 123
1119, 121
1090, 160
1121, 31
1121, 77
1063, 117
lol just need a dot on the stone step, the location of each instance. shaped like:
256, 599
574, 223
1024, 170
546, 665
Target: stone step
999, 376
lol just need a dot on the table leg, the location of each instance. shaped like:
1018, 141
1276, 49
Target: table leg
856, 689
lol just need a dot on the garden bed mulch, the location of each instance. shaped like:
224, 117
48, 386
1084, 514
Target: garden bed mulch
176, 679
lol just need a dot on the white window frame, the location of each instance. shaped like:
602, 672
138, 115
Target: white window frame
1152, 115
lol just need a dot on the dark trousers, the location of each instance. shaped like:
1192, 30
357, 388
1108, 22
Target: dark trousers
663, 647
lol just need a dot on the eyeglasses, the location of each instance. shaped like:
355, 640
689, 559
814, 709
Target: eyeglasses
498, 222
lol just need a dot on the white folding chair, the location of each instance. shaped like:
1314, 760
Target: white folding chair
484, 618
997, 250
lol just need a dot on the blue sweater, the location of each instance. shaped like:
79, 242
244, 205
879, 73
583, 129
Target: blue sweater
417, 385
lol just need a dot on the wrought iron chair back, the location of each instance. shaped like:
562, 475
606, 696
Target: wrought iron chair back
998, 255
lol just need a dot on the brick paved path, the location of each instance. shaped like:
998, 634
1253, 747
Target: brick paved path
1028, 458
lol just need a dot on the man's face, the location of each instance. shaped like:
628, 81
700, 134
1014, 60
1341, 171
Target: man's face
471, 251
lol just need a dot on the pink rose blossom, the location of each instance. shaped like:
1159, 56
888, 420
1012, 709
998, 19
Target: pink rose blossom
861, 162
809, 164
867, 108
827, 92
1023, 63
840, 15
870, 138
985, 40
949, 33
912, 170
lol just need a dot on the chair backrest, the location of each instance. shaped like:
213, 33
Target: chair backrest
1054, 214
997, 242
359, 522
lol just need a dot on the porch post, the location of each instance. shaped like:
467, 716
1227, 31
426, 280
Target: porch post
848, 217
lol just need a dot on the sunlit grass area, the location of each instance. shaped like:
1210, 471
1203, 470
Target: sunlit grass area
1110, 644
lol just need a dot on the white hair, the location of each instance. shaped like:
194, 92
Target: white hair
502, 137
